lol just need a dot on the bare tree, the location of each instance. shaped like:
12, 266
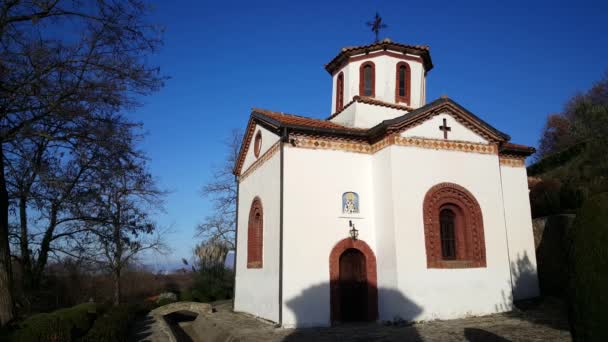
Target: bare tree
59, 180
119, 223
220, 226
63, 62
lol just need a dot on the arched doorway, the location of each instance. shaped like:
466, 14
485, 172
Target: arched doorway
352, 272
353, 286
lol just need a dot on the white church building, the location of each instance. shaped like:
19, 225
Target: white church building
390, 207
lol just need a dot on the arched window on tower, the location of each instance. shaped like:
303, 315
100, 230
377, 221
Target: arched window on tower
367, 79
402, 83
340, 92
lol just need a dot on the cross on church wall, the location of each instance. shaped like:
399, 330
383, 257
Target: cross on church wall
445, 128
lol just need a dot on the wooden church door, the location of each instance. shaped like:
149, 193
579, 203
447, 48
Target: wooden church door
353, 286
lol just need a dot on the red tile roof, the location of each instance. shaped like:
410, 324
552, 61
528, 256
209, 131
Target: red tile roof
372, 101
524, 150
296, 120
386, 44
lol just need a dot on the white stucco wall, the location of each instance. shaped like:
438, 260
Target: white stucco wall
364, 115
386, 257
346, 117
268, 139
392, 184
385, 80
314, 182
430, 129
447, 293
518, 218
257, 289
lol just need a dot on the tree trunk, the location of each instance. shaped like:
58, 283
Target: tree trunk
45, 247
6, 281
117, 259
26, 265
117, 290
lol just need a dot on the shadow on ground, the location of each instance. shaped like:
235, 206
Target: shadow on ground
480, 335
180, 323
142, 331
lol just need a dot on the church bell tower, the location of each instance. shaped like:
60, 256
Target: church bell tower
384, 71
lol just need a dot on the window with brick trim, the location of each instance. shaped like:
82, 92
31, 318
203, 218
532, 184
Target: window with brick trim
367, 79
453, 228
255, 235
402, 82
340, 92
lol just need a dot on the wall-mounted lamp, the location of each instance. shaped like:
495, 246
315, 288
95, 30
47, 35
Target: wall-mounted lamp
354, 233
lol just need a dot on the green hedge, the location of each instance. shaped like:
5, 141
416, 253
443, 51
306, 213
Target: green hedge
114, 325
61, 325
79, 318
589, 271
44, 327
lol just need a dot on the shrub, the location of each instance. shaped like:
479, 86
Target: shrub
186, 296
114, 325
213, 284
164, 301
44, 327
79, 318
589, 271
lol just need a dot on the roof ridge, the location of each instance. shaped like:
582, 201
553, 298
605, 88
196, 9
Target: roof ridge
372, 101
254, 109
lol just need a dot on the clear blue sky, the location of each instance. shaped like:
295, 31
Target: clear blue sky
510, 63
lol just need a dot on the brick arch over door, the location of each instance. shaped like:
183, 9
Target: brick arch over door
470, 241
334, 277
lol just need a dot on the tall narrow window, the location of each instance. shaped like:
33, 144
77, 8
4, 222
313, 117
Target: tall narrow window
402, 83
367, 81
448, 234
340, 93
255, 235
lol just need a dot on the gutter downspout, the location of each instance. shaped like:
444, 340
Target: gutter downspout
236, 241
284, 139
504, 215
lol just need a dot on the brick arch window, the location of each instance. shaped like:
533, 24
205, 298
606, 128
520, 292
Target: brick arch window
367, 79
255, 235
340, 92
403, 82
453, 228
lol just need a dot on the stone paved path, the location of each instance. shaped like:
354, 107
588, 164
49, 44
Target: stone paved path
543, 321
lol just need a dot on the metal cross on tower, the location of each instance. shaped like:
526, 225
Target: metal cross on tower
376, 26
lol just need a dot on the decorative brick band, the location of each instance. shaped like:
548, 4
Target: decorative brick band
334, 277
362, 147
265, 157
512, 161
451, 145
331, 144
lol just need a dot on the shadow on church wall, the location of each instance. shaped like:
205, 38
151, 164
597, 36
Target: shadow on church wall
529, 305
525, 278
316, 299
